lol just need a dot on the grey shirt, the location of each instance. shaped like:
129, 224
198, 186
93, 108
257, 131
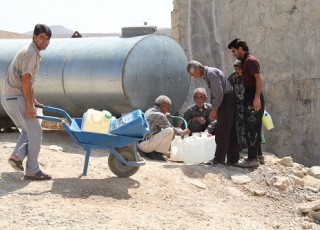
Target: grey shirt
192, 112
26, 61
218, 85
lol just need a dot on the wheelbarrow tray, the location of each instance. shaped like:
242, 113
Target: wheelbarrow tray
97, 139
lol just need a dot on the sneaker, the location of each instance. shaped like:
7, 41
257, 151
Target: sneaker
261, 159
156, 156
213, 162
231, 164
245, 163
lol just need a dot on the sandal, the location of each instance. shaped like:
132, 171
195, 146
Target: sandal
38, 176
16, 164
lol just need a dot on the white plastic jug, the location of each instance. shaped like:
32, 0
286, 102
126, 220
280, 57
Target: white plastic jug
176, 152
198, 148
96, 121
193, 150
267, 121
210, 148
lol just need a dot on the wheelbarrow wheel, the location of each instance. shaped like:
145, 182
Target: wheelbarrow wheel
120, 169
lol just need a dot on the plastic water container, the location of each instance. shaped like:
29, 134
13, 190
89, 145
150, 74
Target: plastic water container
133, 124
176, 152
210, 148
96, 121
267, 121
196, 149
193, 150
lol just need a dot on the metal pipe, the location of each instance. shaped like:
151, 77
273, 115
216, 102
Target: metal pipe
107, 73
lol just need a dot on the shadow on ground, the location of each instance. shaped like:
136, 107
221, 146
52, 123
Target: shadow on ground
114, 187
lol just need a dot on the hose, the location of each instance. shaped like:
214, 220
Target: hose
182, 119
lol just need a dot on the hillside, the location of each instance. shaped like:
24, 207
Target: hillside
59, 31
12, 35
56, 29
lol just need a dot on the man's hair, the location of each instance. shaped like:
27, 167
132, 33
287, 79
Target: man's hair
41, 28
237, 43
192, 65
200, 90
162, 99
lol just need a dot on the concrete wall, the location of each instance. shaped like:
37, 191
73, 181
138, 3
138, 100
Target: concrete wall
285, 37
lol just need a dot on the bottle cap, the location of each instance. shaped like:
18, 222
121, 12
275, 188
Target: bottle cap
108, 114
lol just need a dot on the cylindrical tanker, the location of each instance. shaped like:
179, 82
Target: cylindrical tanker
107, 73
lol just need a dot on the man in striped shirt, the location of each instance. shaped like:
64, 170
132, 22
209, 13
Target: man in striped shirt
158, 139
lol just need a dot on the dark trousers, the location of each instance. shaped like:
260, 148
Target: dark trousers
253, 123
226, 131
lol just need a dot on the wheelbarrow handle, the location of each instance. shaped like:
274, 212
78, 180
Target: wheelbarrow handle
50, 118
54, 110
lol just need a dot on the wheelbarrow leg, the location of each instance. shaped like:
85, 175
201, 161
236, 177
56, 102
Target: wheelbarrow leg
86, 161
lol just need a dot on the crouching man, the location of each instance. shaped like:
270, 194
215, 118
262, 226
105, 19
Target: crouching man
157, 141
197, 115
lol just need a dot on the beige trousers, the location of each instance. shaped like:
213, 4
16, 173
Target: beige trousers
160, 142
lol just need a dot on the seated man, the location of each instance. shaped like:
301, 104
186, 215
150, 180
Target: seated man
197, 115
158, 140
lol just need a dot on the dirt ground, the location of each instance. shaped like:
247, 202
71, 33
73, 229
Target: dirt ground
159, 196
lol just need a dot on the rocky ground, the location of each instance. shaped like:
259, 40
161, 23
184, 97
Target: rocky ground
278, 195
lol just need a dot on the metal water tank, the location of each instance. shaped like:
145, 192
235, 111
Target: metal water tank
107, 73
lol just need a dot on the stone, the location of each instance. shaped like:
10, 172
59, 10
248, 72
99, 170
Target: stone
310, 198
286, 161
281, 183
235, 192
259, 193
240, 179
195, 182
296, 180
298, 173
306, 207
306, 226
315, 171
315, 215
312, 189
55, 148
298, 166
311, 182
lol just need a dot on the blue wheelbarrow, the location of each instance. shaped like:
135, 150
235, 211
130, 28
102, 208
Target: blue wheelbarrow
124, 160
